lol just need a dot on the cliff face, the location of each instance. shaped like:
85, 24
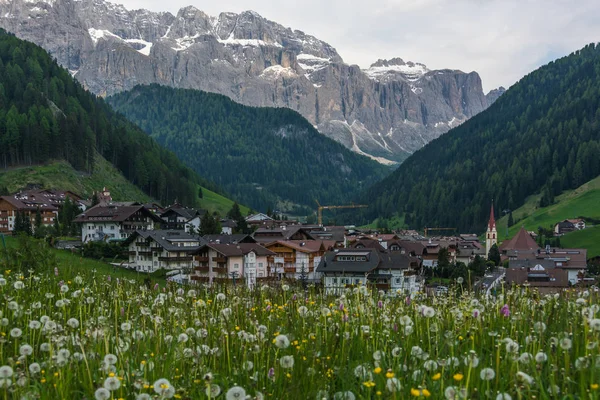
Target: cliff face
386, 111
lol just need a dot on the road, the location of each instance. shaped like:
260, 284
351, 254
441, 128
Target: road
488, 280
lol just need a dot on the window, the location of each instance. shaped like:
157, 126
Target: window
260, 265
334, 280
356, 281
398, 280
236, 266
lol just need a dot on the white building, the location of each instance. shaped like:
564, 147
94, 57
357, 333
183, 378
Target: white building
392, 272
156, 249
114, 222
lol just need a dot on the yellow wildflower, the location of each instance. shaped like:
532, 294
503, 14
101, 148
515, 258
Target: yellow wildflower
458, 377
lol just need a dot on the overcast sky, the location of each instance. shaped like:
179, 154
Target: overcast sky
500, 39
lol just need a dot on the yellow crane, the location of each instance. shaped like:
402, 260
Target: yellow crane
321, 208
438, 229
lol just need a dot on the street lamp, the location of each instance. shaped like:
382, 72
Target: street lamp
234, 275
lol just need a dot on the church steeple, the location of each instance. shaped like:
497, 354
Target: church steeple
492, 221
491, 235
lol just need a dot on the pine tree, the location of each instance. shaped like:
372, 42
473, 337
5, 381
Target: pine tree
494, 255
95, 200
18, 224
200, 193
56, 226
38, 219
511, 222
303, 277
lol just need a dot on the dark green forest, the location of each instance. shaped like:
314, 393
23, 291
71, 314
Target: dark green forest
46, 115
258, 155
541, 136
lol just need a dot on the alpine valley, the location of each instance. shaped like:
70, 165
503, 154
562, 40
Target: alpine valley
387, 111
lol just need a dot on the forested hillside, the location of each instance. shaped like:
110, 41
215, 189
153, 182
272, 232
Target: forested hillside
46, 115
264, 157
542, 135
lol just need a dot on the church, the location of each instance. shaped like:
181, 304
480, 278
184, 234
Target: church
491, 235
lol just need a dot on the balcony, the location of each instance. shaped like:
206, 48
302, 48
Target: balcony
132, 253
199, 278
145, 253
142, 244
289, 269
220, 259
289, 259
202, 259
157, 249
219, 270
202, 269
175, 259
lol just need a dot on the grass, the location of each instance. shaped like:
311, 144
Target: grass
73, 335
214, 202
396, 222
581, 202
61, 175
74, 262
588, 239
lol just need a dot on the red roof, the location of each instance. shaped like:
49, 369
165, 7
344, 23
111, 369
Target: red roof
492, 221
521, 242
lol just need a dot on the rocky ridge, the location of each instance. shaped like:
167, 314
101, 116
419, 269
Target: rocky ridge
386, 111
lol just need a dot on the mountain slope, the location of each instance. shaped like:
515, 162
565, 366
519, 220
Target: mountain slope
61, 175
262, 156
580, 202
388, 111
46, 115
543, 134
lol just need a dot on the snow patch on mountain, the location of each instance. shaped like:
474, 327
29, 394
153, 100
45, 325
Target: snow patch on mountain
231, 41
97, 34
275, 71
411, 71
185, 42
144, 50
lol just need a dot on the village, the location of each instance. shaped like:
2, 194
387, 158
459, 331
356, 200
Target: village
154, 238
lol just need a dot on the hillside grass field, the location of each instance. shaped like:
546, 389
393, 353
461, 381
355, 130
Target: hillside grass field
61, 175
214, 202
581, 202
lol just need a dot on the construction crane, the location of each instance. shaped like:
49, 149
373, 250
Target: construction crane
438, 229
321, 208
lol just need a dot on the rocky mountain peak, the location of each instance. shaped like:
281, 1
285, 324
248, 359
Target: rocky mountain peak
389, 69
386, 111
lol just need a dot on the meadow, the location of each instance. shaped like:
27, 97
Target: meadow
68, 332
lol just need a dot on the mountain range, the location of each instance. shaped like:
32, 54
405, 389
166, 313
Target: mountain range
541, 137
386, 111
264, 157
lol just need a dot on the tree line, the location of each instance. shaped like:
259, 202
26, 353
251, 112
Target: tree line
261, 156
541, 136
45, 115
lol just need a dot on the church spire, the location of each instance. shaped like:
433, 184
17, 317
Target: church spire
492, 221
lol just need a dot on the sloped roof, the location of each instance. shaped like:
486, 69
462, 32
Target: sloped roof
329, 264
231, 239
187, 213
305, 246
24, 205
396, 260
240, 249
112, 213
521, 242
168, 239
